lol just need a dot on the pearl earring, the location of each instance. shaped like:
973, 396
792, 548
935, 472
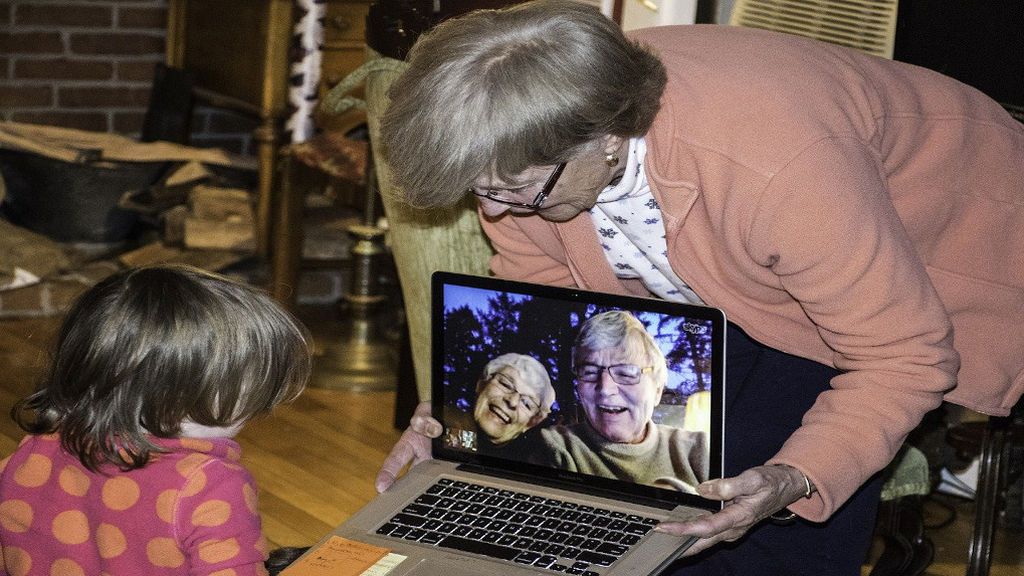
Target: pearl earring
611, 159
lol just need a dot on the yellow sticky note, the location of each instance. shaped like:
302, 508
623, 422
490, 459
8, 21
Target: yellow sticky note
337, 557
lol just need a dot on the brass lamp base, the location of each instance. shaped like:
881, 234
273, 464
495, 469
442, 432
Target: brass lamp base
358, 361
360, 357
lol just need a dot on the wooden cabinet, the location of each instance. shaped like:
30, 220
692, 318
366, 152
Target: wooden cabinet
238, 52
344, 51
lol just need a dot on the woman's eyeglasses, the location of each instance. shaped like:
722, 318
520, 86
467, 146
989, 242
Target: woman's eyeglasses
501, 196
625, 374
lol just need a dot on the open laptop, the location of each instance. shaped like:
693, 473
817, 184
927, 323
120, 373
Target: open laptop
479, 508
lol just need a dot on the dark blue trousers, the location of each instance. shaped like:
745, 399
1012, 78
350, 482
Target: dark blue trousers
767, 393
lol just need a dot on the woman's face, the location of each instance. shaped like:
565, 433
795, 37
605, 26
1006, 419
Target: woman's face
575, 191
505, 405
619, 412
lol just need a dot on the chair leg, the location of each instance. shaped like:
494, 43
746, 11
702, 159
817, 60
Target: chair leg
987, 496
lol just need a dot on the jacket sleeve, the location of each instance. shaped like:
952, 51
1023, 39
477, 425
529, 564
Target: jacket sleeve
827, 229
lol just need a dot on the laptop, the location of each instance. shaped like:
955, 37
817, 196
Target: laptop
482, 507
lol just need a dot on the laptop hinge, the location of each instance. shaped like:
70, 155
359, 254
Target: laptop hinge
570, 486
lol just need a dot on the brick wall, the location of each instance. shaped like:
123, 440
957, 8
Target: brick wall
88, 64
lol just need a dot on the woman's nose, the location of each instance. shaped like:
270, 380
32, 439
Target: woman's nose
605, 383
512, 399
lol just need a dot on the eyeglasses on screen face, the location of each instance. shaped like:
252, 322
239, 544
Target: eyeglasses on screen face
624, 374
508, 386
505, 196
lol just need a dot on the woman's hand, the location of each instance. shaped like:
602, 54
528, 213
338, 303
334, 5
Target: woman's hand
412, 448
751, 497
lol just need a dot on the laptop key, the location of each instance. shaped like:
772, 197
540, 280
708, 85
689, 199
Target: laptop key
596, 558
613, 549
545, 561
408, 520
431, 538
386, 528
558, 567
527, 558
417, 509
482, 548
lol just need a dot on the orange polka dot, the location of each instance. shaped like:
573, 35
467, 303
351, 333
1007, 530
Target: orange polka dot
214, 551
120, 493
34, 472
110, 541
71, 527
234, 454
66, 567
211, 513
249, 495
74, 481
261, 545
163, 552
189, 463
225, 572
16, 515
18, 562
195, 484
197, 444
165, 505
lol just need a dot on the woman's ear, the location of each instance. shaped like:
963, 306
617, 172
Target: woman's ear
612, 144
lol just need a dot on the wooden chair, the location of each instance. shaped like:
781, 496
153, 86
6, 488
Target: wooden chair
990, 441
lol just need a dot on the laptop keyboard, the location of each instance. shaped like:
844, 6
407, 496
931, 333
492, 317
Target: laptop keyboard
524, 528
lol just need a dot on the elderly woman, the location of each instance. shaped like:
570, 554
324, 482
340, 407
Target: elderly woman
513, 394
846, 211
620, 375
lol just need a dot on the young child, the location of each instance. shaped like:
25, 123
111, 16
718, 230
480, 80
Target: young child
130, 466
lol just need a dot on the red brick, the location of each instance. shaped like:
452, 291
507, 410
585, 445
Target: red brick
136, 71
142, 18
229, 144
102, 97
229, 123
118, 44
128, 123
64, 16
31, 43
63, 69
30, 96
95, 121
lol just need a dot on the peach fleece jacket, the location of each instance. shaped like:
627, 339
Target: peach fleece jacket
863, 213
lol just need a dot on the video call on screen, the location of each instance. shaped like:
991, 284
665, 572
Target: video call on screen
482, 324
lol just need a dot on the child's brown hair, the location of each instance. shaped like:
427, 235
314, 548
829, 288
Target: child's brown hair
146, 349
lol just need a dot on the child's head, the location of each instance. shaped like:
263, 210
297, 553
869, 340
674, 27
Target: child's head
148, 349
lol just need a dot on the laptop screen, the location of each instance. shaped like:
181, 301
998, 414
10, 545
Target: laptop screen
605, 392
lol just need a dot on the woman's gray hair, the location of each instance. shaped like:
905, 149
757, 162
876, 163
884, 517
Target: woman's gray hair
616, 328
503, 90
530, 370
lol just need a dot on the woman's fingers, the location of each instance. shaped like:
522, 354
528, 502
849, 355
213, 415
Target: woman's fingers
751, 497
412, 448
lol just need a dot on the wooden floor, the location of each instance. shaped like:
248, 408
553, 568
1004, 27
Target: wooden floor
315, 460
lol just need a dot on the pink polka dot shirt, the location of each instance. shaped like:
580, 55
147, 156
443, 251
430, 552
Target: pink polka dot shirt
189, 511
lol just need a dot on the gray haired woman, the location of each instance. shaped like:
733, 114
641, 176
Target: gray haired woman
800, 186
